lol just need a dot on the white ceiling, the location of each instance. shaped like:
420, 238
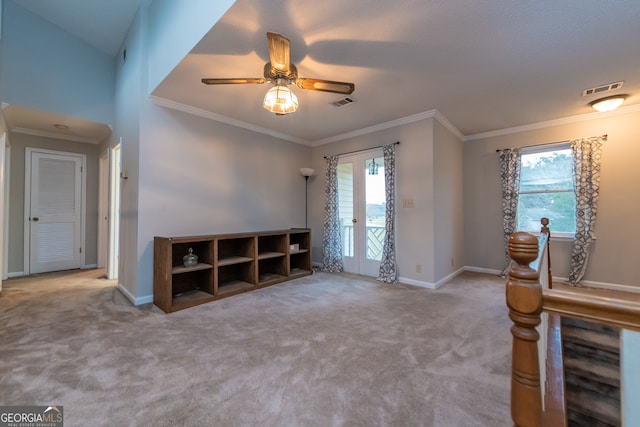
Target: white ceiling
485, 66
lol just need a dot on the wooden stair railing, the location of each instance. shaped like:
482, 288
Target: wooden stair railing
527, 299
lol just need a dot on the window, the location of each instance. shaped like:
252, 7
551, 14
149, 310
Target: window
546, 190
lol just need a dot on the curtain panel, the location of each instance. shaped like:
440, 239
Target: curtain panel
388, 266
586, 154
510, 177
332, 236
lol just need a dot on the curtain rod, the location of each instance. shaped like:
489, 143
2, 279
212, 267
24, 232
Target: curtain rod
549, 143
364, 149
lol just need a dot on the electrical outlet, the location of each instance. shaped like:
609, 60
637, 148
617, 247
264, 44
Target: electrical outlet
408, 203
418, 268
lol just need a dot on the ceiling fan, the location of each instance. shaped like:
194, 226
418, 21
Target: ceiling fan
281, 72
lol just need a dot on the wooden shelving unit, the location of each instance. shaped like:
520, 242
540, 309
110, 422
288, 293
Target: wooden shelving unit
228, 264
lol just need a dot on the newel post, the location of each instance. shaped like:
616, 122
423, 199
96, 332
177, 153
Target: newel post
524, 299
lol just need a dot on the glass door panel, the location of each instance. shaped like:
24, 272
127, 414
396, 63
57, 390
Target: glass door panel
362, 206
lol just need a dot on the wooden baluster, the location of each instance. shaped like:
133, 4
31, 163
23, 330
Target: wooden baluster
545, 229
524, 299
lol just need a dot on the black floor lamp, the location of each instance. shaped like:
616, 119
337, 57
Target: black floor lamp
306, 172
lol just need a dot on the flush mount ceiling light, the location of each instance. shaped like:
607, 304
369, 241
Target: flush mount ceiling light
609, 103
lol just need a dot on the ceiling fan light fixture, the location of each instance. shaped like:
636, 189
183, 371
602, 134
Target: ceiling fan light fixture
609, 103
280, 99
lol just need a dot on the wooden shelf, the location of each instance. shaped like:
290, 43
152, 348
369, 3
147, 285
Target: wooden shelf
229, 264
269, 278
298, 272
235, 286
191, 298
182, 269
233, 260
299, 251
267, 255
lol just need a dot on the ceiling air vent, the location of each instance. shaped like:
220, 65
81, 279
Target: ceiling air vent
344, 101
602, 88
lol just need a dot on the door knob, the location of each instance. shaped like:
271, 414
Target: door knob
35, 219
354, 220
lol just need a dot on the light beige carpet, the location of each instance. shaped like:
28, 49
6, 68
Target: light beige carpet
323, 350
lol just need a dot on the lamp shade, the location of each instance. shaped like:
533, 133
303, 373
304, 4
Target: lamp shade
608, 104
307, 172
280, 100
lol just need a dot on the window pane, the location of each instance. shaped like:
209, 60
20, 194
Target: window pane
345, 206
558, 207
550, 170
376, 208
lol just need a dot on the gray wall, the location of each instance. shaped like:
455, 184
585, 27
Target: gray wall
448, 202
198, 176
16, 194
613, 256
429, 171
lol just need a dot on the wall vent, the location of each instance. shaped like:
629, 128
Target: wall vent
343, 101
602, 88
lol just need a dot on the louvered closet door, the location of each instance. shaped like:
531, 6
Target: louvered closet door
55, 216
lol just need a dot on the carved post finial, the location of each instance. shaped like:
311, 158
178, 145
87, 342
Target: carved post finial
545, 222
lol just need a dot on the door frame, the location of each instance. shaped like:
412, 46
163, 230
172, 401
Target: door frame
103, 208
27, 202
115, 169
4, 183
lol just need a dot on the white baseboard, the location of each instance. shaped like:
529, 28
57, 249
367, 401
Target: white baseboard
88, 266
15, 274
430, 285
482, 270
449, 277
420, 283
135, 301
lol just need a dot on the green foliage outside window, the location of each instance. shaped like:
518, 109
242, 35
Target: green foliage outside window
546, 190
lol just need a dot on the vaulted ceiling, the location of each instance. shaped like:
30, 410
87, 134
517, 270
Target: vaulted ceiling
484, 65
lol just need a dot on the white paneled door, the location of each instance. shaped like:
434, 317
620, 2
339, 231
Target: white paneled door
53, 232
361, 203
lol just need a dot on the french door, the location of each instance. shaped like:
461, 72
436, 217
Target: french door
362, 208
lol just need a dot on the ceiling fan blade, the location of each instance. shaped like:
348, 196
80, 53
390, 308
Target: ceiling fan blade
326, 86
279, 52
232, 81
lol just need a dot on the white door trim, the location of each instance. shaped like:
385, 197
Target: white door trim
4, 183
27, 202
114, 211
103, 208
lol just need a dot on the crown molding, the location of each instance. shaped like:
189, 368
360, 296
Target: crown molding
446, 123
223, 119
393, 123
555, 122
53, 135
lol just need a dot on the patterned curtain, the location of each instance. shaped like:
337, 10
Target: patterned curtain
388, 267
510, 176
586, 155
332, 238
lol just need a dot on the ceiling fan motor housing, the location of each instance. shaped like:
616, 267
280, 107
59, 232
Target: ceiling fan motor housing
270, 73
